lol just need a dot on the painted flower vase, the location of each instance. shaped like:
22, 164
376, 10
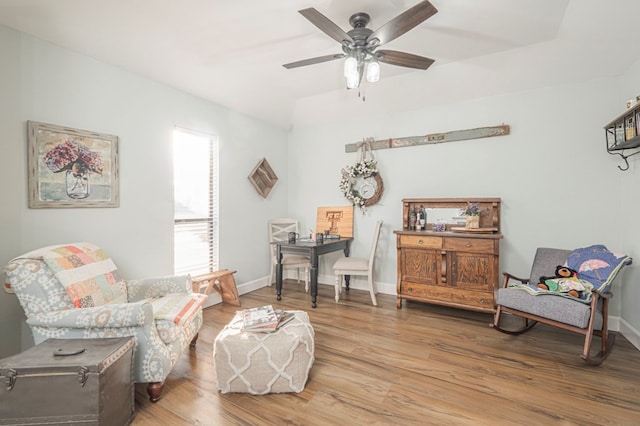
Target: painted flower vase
77, 182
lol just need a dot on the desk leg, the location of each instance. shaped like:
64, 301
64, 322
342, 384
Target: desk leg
314, 278
279, 273
346, 277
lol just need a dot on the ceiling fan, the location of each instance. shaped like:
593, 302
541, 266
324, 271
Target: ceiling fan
361, 43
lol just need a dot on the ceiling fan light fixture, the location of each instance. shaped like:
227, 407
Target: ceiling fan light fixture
373, 71
360, 43
353, 81
350, 66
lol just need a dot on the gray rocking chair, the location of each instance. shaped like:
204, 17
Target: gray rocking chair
588, 319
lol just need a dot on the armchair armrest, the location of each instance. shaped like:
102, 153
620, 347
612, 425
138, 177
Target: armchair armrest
146, 288
507, 277
106, 316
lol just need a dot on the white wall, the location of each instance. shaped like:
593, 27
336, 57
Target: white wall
628, 219
41, 82
558, 185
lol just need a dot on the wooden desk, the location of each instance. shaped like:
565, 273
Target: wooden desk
312, 250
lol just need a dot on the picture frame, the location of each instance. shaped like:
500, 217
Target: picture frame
71, 168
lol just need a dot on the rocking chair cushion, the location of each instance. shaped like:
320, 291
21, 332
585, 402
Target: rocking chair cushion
548, 306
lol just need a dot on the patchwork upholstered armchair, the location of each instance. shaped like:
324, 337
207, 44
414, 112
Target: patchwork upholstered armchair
74, 291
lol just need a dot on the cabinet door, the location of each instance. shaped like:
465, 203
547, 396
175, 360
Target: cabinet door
473, 271
419, 266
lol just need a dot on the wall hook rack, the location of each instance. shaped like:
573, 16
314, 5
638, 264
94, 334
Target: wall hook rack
622, 135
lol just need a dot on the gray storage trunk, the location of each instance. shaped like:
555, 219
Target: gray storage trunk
69, 381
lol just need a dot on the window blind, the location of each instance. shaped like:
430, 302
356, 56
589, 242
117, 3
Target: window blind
195, 161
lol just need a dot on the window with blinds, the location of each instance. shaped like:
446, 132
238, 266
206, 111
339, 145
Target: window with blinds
195, 167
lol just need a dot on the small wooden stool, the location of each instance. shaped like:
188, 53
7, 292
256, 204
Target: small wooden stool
222, 280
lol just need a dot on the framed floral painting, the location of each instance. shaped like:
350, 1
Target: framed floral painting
70, 168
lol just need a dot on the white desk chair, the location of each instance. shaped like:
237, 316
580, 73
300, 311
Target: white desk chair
358, 266
279, 231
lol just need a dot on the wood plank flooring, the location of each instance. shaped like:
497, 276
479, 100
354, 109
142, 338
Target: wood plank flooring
420, 365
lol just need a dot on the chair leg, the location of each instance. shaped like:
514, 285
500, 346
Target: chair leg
193, 341
605, 327
602, 355
306, 279
372, 291
496, 318
607, 339
338, 286
527, 323
154, 390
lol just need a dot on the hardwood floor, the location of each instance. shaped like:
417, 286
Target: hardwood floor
422, 364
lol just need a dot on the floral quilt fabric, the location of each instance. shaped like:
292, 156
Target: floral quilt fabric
178, 308
87, 274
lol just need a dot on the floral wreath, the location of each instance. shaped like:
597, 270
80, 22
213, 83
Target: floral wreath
364, 168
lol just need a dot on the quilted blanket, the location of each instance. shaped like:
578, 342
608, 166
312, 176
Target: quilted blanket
178, 307
87, 274
597, 268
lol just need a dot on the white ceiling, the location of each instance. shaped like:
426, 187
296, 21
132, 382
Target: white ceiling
231, 51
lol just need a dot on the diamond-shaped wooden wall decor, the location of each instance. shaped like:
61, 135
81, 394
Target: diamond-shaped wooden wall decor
263, 178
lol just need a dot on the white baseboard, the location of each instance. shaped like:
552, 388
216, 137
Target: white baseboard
630, 333
614, 323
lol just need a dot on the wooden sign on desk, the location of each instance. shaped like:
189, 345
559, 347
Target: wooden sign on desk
338, 220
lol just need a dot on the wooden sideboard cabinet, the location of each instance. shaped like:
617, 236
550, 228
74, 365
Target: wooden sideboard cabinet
456, 267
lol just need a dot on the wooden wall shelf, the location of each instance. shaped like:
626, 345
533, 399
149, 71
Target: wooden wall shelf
623, 134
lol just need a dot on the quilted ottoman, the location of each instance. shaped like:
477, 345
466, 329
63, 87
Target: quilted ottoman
261, 363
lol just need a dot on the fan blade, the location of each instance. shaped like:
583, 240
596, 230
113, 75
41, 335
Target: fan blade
403, 59
404, 22
312, 61
326, 25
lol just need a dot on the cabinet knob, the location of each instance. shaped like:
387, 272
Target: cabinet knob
420, 242
467, 244
482, 300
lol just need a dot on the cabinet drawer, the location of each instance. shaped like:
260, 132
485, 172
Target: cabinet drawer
475, 300
469, 245
420, 241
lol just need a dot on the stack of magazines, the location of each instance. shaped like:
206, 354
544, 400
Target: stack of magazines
264, 319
